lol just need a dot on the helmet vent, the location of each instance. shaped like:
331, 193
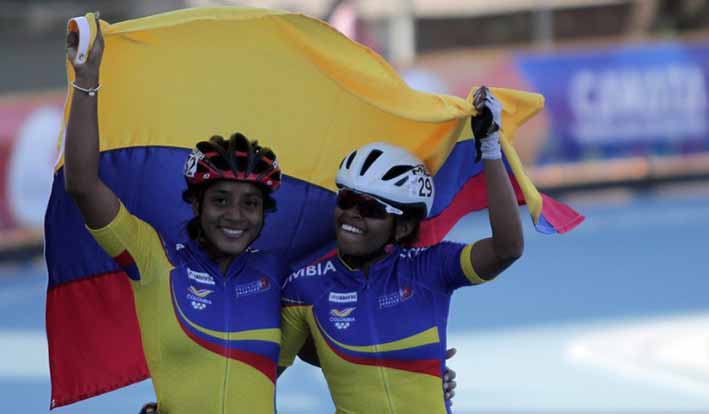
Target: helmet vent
350, 159
401, 182
237, 159
243, 163
396, 171
370, 160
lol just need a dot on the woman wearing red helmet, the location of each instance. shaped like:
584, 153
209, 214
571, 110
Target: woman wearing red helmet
208, 306
220, 172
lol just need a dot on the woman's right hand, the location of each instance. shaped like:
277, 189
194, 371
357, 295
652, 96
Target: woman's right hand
150, 408
87, 73
97, 202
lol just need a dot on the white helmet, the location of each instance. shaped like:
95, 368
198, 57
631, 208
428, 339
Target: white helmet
389, 173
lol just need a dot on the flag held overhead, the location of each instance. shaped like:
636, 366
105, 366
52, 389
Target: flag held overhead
297, 85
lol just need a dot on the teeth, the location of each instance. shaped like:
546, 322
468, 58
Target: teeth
232, 233
351, 229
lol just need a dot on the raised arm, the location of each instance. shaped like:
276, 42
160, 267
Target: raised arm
98, 204
492, 255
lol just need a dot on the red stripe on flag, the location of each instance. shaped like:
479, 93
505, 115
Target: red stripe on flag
562, 217
471, 197
124, 259
331, 253
94, 338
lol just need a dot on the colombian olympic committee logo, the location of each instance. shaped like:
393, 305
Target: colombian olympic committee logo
341, 318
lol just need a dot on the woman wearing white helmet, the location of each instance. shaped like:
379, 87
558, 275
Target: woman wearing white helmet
388, 184
377, 312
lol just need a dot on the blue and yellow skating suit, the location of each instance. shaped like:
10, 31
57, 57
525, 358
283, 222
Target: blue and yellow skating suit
380, 337
211, 340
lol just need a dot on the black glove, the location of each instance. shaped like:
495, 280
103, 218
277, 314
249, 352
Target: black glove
488, 119
150, 408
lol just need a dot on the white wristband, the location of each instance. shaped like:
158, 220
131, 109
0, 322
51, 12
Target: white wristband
490, 147
81, 25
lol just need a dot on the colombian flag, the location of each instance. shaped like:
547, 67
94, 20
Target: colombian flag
294, 83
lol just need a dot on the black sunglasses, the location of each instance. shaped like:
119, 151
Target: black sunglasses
368, 206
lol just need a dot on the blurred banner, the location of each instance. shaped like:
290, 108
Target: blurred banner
625, 101
604, 103
29, 125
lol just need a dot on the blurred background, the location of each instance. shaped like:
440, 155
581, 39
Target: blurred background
610, 318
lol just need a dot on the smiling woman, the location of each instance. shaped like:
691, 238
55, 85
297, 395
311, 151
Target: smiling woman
384, 194
229, 185
230, 215
378, 313
184, 289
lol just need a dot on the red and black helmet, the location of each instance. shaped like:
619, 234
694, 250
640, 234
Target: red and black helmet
236, 160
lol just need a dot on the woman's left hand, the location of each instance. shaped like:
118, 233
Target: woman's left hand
150, 408
448, 378
486, 124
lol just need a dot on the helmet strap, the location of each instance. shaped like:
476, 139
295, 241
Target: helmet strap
392, 233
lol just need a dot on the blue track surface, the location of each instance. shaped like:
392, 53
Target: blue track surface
631, 262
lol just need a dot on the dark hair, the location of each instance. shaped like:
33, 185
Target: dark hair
415, 215
196, 193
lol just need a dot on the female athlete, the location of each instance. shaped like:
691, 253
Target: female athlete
208, 306
377, 312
